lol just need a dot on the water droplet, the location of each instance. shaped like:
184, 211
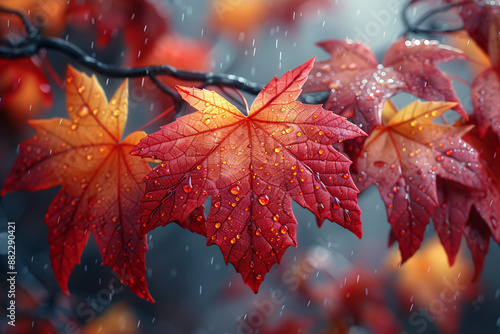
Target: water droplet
83, 112
299, 134
116, 113
207, 121
276, 217
413, 124
251, 265
263, 199
81, 89
395, 189
187, 188
277, 150
69, 79
345, 176
235, 190
448, 152
320, 152
352, 66
336, 203
214, 237
217, 204
75, 201
379, 163
90, 156
233, 240
346, 215
439, 158
217, 225
321, 208
283, 229
402, 232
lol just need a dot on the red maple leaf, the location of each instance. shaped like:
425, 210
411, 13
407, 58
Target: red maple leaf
359, 86
101, 183
405, 157
486, 86
251, 167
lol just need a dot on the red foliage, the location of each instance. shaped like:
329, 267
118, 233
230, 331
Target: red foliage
359, 87
251, 167
406, 157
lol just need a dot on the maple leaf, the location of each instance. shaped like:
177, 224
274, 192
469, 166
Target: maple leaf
101, 183
485, 100
404, 158
477, 234
359, 86
252, 167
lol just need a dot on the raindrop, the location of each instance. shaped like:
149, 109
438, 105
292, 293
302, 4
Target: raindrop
235, 190
336, 203
83, 112
346, 215
283, 229
263, 199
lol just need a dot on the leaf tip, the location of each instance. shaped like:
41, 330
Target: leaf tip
182, 90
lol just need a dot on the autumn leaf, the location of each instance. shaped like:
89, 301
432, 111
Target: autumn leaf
251, 167
405, 157
359, 86
101, 183
451, 216
485, 100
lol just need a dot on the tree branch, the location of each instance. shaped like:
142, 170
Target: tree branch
415, 27
33, 43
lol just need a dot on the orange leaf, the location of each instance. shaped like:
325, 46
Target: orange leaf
101, 183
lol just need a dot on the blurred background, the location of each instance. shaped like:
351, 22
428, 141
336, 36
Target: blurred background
331, 283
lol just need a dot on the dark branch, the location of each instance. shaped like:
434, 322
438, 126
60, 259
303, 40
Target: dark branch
33, 43
415, 28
